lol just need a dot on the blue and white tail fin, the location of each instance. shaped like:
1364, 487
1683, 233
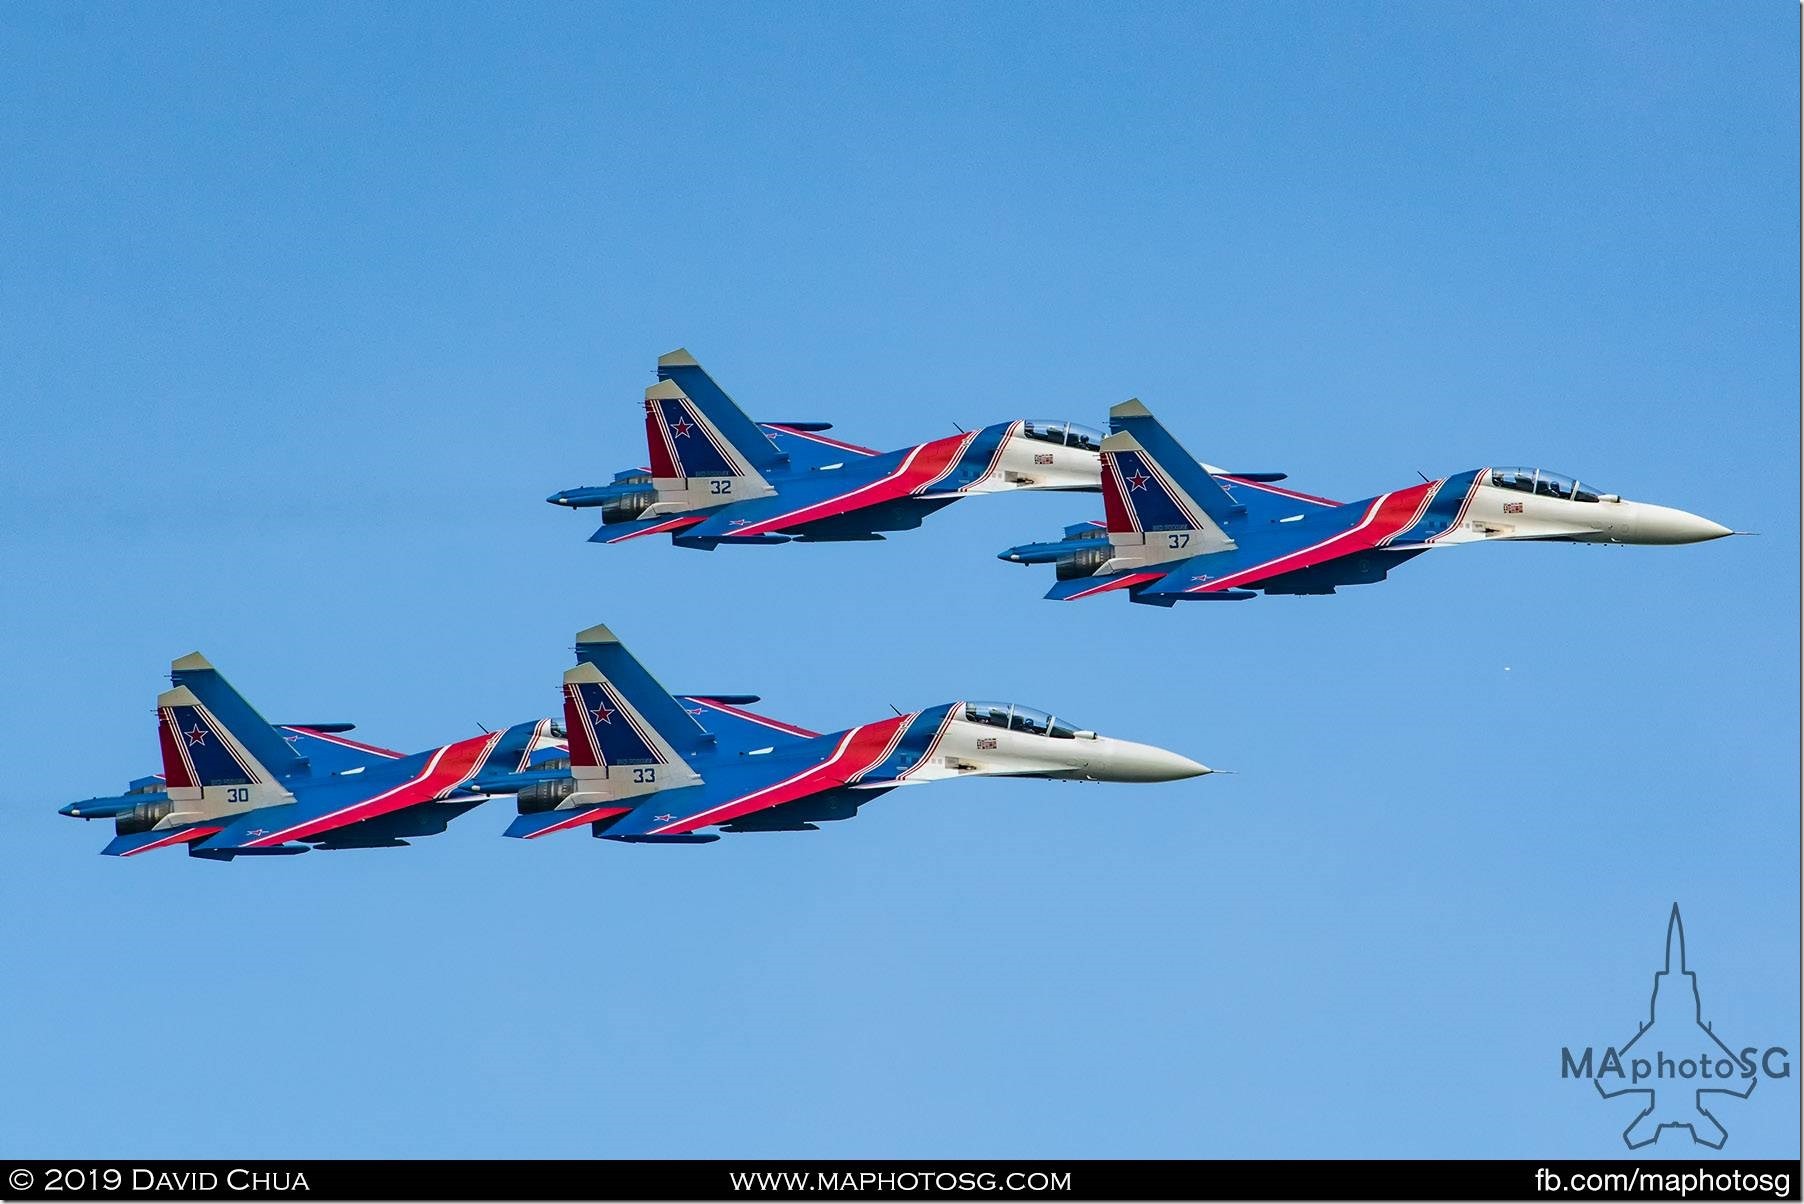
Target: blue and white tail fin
693, 464
627, 735
708, 400
263, 742
1184, 470
208, 769
1151, 517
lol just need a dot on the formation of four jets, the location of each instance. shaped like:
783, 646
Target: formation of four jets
634, 763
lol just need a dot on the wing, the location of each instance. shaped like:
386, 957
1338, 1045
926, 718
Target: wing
1266, 502
330, 752
737, 730
807, 448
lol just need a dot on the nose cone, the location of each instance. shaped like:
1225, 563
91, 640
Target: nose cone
1013, 556
558, 499
1125, 761
1665, 525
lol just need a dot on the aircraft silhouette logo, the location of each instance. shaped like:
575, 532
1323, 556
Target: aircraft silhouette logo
1681, 1052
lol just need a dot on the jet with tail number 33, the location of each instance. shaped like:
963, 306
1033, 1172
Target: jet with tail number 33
650, 767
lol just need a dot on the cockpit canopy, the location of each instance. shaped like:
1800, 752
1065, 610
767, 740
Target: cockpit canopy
1065, 434
1547, 484
1020, 719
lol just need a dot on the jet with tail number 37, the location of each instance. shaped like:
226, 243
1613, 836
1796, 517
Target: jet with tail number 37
1177, 530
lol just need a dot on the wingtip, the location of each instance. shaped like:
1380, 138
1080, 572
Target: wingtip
1131, 408
680, 358
193, 660
598, 634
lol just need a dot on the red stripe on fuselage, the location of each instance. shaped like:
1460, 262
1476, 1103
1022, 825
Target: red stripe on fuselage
447, 768
925, 463
1387, 515
859, 750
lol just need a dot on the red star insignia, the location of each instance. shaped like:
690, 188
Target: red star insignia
681, 427
196, 735
1138, 480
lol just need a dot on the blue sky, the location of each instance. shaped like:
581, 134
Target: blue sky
304, 310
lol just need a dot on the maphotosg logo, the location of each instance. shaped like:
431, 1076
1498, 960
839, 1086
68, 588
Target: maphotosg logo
1676, 1061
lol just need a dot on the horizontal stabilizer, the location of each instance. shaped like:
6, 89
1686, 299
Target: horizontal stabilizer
144, 842
543, 823
1084, 587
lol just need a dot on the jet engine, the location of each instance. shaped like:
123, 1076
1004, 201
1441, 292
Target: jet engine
627, 505
1084, 562
141, 818
544, 796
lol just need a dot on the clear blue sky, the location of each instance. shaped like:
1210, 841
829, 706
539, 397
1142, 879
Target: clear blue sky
304, 310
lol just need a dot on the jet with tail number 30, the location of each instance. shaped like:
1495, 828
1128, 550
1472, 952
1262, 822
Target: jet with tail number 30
233, 785
718, 478
1177, 530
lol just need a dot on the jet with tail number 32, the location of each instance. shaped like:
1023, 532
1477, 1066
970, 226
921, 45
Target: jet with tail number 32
718, 478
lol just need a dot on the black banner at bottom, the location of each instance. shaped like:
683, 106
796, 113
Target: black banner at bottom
902, 1180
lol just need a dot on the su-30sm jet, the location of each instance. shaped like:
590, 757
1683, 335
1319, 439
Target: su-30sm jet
649, 767
716, 477
233, 785
1178, 530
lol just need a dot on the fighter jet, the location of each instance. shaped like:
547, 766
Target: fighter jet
716, 477
648, 767
1177, 530
233, 785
